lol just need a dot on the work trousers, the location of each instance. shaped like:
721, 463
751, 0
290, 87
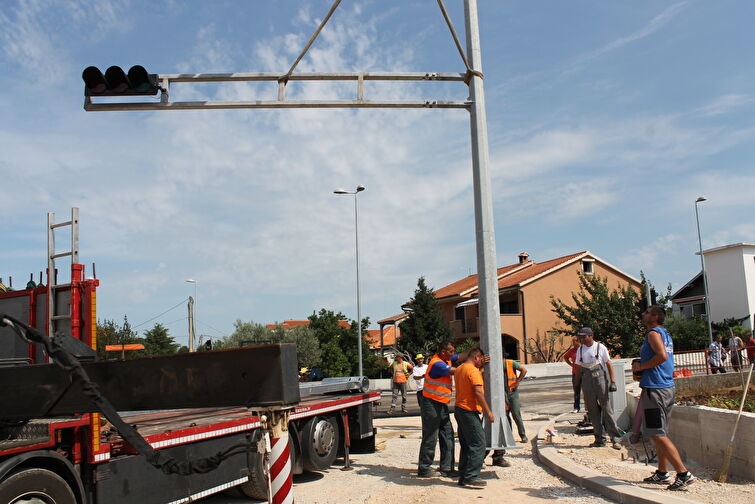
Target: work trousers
471, 441
436, 428
575, 387
419, 400
515, 412
595, 389
399, 388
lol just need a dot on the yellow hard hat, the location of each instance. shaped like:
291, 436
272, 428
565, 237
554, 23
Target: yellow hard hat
303, 370
419, 356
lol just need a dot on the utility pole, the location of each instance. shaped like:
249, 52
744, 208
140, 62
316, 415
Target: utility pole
498, 434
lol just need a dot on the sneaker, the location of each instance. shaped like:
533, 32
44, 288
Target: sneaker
616, 446
472, 483
404, 411
501, 462
575, 411
681, 481
390, 411
432, 473
524, 440
597, 444
658, 477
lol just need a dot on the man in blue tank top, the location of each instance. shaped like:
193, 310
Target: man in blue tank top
657, 369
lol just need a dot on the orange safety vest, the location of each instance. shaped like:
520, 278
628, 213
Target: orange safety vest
437, 389
510, 374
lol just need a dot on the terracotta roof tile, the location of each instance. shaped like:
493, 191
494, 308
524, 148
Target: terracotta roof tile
389, 337
469, 282
535, 270
394, 318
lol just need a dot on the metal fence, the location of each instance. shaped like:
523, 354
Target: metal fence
695, 362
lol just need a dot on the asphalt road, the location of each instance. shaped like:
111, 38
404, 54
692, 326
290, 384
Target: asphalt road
540, 396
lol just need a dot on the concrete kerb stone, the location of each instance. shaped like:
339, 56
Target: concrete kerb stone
612, 488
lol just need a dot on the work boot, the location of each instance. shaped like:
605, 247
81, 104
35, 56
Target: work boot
472, 483
432, 473
501, 462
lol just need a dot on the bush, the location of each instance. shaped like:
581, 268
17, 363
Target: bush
688, 334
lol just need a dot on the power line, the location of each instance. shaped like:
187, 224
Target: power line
216, 330
163, 313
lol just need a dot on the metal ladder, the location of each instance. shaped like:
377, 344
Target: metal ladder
52, 285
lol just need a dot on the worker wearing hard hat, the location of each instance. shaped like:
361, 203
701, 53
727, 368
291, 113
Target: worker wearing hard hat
303, 374
418, 373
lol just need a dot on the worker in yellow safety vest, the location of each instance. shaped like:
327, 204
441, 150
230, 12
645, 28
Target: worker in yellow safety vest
514, 373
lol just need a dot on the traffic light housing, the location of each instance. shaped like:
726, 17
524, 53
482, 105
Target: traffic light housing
116, 82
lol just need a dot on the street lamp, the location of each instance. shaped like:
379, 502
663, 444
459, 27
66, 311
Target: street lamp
705, 273
193, 325
359, 189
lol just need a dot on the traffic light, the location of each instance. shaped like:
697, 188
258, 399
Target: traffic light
116, 82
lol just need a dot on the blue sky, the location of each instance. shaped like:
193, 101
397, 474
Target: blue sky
606, 121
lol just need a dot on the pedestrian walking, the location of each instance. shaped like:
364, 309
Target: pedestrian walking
514, 373
716, 355
418, 373
735, 347
569, 357
436, 419
596, 377
657, 400
400, 371
470, 402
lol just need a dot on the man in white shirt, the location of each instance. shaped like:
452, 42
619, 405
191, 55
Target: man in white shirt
418, 373
716, 355
595, 376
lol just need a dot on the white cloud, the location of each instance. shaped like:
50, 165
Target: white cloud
645, 257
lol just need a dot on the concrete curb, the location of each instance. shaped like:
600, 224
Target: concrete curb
612, 488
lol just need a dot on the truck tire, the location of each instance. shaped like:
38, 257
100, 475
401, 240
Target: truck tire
36, 485
320, 441
256, 486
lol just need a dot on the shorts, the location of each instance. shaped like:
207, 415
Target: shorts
656, 404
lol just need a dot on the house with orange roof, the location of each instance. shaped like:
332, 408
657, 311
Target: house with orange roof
524, 289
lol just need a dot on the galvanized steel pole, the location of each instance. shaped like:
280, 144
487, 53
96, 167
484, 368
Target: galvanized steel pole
705, 273
359, 304
499, 434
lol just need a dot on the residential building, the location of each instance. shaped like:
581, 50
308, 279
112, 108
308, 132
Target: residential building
525, 290
731, 284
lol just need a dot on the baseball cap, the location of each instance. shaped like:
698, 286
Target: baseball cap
585, 331
419, 356
303, 370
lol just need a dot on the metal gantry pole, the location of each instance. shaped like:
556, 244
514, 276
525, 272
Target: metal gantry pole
705, 273
498, 435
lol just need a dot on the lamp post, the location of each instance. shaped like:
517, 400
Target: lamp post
359, 189
705, 273
193, 321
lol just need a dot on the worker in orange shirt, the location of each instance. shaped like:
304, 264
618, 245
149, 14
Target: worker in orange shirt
400, 370
470, 402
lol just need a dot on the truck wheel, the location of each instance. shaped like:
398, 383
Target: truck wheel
256, 486
36, 486
320, 440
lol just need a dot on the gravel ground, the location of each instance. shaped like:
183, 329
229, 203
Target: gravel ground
609, 462
390, 475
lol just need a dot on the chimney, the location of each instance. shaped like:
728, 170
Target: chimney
523, 257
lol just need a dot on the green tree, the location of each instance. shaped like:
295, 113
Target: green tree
308, 352
425, 327
157, 341
338, 342
110, 333
244, 333
688, 334
612, 315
